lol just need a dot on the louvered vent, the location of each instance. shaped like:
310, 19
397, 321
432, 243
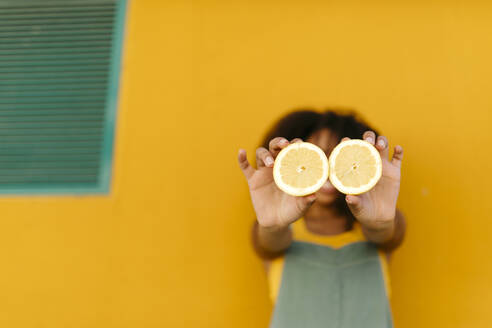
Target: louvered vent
59, 63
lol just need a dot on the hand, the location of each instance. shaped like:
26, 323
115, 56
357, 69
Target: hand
376, 208
274, 208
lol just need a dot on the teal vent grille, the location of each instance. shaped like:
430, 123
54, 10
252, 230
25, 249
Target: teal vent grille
59, 73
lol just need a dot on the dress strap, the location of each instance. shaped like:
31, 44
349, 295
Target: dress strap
301, 233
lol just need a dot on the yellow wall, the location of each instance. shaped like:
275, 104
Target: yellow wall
170, 246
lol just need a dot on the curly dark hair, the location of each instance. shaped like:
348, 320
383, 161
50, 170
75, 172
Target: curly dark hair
302, 123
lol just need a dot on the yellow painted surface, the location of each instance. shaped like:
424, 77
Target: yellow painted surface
170, 246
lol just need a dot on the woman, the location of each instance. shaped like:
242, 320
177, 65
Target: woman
326, 252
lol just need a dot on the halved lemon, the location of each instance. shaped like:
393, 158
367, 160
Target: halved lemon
300, 169
355, 166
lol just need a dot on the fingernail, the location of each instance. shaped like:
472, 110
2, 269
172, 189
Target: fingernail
284, 142
381, 143
369, 139
269, 161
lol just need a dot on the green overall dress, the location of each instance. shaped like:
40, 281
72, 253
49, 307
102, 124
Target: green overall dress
330, 281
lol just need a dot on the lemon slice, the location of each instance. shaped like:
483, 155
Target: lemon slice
355, 166
300, 169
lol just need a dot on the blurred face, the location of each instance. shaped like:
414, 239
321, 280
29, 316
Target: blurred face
326, 140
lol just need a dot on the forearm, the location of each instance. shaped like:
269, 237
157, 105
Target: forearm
388, 235
271, 242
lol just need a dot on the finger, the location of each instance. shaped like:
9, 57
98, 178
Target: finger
263, 158
345, 139
382, 146
276, 145
354, 203
296, 140
305, 202
310, 198
247, 169
369, 136
397, 156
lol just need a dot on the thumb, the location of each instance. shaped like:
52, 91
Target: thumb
354, 203
305, 202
